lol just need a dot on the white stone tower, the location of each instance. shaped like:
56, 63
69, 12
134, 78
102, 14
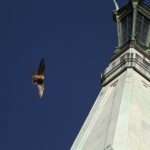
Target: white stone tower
120, 117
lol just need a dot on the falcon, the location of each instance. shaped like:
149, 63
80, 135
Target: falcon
38, 78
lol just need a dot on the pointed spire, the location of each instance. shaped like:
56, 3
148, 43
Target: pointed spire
116, 5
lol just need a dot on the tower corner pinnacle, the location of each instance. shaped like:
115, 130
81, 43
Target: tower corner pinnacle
133, 21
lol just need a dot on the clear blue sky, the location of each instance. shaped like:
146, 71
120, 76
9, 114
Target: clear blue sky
76, 38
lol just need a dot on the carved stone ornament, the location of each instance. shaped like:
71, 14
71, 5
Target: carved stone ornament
109, 147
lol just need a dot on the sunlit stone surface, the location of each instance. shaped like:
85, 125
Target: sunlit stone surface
120, 117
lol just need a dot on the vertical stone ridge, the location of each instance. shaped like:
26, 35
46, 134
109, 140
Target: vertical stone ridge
121, 133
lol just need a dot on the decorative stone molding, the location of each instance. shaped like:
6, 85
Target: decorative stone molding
109, 147
130, 59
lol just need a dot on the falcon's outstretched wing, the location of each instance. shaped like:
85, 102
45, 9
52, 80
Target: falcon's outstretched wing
40, 89
41, 67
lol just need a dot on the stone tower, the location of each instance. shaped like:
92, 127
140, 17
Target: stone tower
120, 117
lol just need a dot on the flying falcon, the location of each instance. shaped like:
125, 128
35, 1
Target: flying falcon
38, 78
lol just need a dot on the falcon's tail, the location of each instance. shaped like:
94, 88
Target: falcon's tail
40, 89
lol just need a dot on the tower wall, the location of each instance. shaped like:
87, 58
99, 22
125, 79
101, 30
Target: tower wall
120, 117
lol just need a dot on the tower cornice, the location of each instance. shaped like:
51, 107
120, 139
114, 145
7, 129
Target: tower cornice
126, 46
131, 58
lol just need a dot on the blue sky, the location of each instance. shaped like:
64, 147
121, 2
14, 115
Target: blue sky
76, 39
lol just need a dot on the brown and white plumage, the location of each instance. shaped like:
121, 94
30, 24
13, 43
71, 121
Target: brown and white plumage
38, 78
40, 89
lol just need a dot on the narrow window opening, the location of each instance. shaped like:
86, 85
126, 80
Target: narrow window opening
142, 29
126, 28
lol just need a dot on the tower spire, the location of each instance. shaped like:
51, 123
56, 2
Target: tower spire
120, 116
116, 5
